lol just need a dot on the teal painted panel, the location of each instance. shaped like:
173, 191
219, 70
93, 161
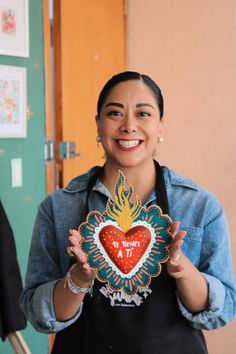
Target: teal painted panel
21, 203
36, 343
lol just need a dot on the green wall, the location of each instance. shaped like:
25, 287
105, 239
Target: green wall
21, 203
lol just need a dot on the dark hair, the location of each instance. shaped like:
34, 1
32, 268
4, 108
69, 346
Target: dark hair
131, 75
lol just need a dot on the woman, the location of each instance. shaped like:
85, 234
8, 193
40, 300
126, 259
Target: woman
191, 293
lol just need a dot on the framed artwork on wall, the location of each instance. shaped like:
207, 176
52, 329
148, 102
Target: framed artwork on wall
12, 102
14, 28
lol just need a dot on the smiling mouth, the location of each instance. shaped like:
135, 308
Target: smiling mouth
128, 144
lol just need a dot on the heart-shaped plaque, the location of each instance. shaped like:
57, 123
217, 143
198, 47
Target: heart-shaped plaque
127, 243
125, 249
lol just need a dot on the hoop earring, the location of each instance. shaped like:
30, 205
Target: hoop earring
160, 139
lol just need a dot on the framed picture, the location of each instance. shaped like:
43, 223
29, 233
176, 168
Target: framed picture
12, 102
14, 28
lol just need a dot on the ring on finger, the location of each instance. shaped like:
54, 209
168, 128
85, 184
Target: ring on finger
175, 259
70, 252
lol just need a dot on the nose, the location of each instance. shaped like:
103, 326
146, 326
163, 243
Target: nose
129, 124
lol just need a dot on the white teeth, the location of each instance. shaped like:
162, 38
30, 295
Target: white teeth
128, 143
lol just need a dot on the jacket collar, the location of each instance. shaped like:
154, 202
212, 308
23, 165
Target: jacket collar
171, 178
80, 183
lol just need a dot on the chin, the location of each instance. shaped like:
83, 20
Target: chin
128, 163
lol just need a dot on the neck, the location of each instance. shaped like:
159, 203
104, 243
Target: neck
142, 178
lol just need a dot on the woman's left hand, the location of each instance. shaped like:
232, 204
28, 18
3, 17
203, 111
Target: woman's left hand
176, 262
191, 284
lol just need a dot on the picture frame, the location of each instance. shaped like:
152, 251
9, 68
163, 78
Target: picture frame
13, 112
14, 28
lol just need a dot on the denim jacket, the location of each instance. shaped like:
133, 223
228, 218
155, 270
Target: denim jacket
206, 244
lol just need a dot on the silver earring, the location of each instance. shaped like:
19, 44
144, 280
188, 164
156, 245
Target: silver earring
98, 139
160, 139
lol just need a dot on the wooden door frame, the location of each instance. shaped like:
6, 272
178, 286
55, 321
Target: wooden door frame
56, 38
52, 36
50, 185
48, 93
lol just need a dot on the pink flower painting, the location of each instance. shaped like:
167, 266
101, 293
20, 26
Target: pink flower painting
8, 21
9, 101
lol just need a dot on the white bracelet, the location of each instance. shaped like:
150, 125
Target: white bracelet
73, 287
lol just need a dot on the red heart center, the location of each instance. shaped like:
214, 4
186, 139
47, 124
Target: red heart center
125, 248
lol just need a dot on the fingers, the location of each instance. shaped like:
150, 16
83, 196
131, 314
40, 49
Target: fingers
175, 266
177, 242
174, 228
75, 240
174, 269
82, 272
79, 254
75, 237
86, 266
75, 247
178, 236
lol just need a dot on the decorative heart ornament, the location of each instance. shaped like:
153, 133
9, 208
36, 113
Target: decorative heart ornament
125, 249
128, 242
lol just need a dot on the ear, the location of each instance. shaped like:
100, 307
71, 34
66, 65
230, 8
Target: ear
97, 123
161, 127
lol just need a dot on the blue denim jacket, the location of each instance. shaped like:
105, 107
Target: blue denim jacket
207, 245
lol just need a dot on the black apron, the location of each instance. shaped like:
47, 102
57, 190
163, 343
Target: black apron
154, 327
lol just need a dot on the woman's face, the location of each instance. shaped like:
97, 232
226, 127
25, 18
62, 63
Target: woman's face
129, 124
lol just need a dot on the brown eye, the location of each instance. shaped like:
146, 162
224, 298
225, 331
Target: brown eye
144, 114
113, 113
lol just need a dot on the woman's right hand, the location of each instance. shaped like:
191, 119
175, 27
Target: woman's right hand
83, 274
66, 303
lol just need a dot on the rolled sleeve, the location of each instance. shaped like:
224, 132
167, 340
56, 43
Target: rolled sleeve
40, 310
43, 272
216, 299
216, 266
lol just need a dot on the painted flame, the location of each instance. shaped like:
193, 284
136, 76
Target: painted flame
123, 210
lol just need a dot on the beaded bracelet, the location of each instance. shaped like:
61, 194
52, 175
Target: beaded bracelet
75, 289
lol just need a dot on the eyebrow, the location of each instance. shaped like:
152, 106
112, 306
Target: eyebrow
144, 104
117, 104
138, 105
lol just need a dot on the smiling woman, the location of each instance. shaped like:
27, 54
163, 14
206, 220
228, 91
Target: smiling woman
129, 123
191, 292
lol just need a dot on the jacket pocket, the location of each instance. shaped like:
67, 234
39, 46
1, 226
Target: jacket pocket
192, 243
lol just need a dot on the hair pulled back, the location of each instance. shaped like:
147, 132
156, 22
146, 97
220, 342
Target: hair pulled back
130, 75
